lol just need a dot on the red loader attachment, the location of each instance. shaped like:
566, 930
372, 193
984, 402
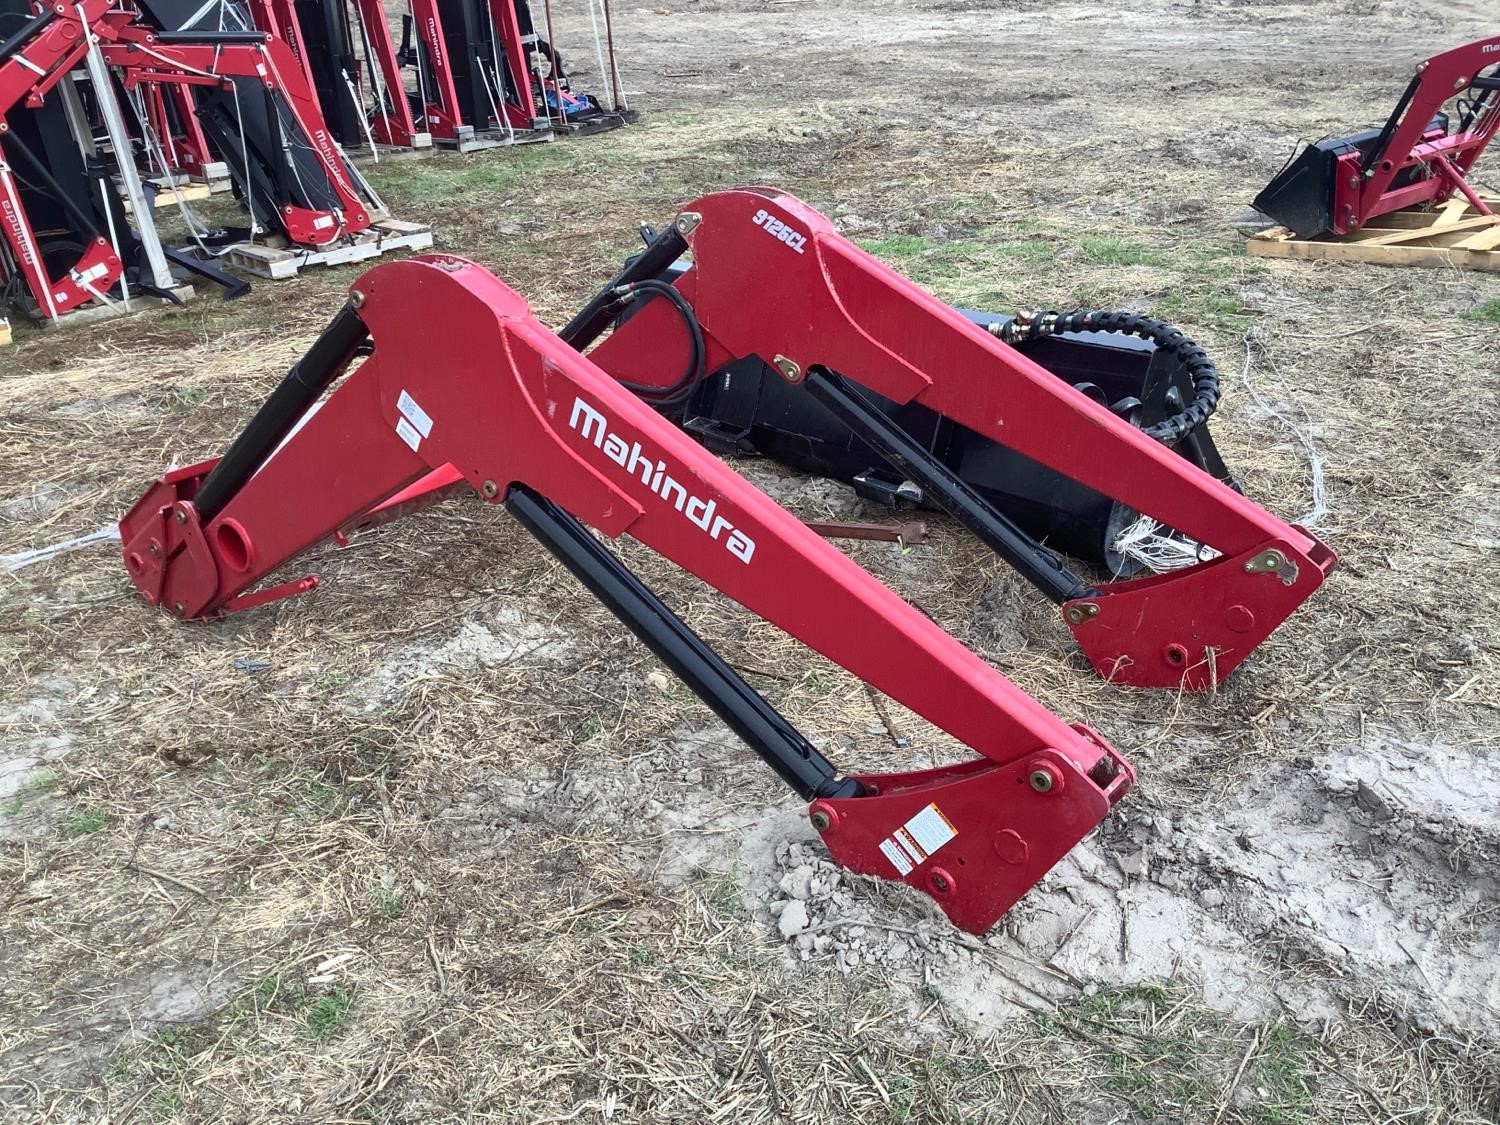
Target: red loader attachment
1421, 156
771, 280
520, 416
240, 91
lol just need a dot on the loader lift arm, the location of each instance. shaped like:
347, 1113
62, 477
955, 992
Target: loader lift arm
771, 278
518, 415
1420, 156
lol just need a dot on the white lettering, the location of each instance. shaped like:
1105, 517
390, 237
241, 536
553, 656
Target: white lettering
704, 514
780, 231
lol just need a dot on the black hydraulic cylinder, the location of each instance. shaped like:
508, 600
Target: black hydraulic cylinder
649, 264
309, 377
766, 731
946, 489
27, 32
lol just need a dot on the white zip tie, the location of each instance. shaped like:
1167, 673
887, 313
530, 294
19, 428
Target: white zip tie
110, 532
1315, 459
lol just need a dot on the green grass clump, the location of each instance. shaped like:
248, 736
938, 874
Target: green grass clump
328, 1014
1487, 313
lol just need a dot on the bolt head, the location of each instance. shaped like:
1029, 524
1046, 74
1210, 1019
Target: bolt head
939, 882
180, 516
356, 298
820, 820
490, 489
1041, 780
178, 608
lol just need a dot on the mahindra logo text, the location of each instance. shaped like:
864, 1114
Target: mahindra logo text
434, 42
704, 513
18, 231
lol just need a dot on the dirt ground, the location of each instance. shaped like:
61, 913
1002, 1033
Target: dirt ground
438, 843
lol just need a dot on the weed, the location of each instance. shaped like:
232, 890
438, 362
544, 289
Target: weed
724, 896
167, 1105
328, 1014
389, 904
1487, 313
903, 1099
38, 781
85, 822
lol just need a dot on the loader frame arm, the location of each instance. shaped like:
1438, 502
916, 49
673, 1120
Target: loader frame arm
1363, 188
519, 416
771, 278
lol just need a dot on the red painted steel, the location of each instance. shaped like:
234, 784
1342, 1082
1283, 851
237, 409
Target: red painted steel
141, 59
511, 403
1442, 163
772, 277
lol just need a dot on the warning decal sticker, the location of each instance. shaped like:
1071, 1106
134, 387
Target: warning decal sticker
917, 839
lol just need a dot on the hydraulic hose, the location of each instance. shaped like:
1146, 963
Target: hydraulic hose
1178, 345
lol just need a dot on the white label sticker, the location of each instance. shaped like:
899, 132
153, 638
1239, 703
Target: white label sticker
913, 843
930, 829
897, 857
414, 414
407, 434
323, 222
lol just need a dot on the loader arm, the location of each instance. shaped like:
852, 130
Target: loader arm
1369, 186
33, 59
772, 278
517, 415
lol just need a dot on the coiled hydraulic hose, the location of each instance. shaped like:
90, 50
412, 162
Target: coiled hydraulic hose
677, 392
1200, 369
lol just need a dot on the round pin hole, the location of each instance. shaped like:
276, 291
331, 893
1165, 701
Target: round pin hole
1176, 655
134, 563
234, 545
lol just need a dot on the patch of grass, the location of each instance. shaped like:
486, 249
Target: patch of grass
314, 800
1487, 313
328, 1014
449, 179
1284, 1068
389, 904
1117, 252
922, 259
1212, 310
167, 1105
724, 895
85, 822
38, 781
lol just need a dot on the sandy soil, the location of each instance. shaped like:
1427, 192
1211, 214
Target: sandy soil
437, 843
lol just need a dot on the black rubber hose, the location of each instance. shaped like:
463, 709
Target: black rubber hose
1172, 340
643, 291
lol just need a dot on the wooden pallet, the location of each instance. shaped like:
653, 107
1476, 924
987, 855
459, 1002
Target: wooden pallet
1452, 235
168, 192
97, 310
361, 155
277, 264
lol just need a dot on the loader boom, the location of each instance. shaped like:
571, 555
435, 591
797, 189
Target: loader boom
772, 278
518, 415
